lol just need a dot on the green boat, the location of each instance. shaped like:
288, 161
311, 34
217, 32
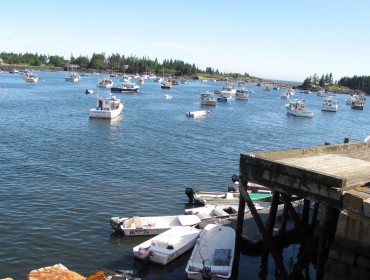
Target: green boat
203, 197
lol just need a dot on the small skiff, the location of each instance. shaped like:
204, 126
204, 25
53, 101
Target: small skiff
198, 114
168, 245
152, 225
256, 193
222, 210
213, 254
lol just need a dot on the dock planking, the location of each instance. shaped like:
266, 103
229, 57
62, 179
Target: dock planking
318, 173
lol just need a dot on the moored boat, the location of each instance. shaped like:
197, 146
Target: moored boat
126, 87
228, 89
208, 99
166, 85
168, 245
198, 114
158, 80
31, 77
242, 94
73, 77
297, 108
224, 98
329, 104
204, 197
256, 192
107, 108
358, 104
151, 225
140, 81
213, 254
105, 82
222, 210
266, 88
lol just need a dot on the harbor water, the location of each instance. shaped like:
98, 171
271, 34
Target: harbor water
63, 175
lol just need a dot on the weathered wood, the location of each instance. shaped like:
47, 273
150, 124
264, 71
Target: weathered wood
307, 251
269, 242
319, 174
295, 216
316, 173
270, 227
305, 213
238, 237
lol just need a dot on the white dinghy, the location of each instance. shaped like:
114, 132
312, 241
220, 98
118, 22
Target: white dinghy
213, 254
219, 211
152, 225
168, 245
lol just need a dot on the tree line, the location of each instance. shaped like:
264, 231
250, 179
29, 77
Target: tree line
323, 81
356, 83
113, 62
361, 83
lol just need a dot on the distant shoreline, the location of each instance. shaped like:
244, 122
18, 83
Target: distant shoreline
251, 80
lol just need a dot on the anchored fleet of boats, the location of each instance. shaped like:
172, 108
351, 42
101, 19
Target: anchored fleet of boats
111, 107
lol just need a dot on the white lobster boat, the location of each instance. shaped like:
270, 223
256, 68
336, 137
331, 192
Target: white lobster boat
297, 108
208, 99
105, 82
73, 77
329, 104
168, 245
107, 108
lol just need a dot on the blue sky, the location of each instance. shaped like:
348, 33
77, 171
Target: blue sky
286, 40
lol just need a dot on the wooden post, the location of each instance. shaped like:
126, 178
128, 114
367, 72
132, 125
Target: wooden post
270, 228
304, 256
284, 221
305, 213
314, 213
321, 258
267, 239
295, 216
238, 237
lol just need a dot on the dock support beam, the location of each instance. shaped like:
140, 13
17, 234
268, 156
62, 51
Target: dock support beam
238, 237
276, 254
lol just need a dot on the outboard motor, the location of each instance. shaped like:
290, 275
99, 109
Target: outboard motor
206, 273
190, 193
234, 178
234, 187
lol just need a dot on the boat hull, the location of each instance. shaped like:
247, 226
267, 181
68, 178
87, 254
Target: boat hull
105, 114
117, 89
208, 102
229, 197
214, 252
307, 114
197, 114
329, 109
168, 245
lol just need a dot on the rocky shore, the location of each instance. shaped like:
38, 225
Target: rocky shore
60, 272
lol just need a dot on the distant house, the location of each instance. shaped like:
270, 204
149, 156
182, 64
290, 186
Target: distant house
1, 61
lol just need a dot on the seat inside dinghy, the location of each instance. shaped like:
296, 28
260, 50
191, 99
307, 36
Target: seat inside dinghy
222, 257
137, 222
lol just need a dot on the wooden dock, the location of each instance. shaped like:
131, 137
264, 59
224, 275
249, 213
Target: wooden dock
316, 174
